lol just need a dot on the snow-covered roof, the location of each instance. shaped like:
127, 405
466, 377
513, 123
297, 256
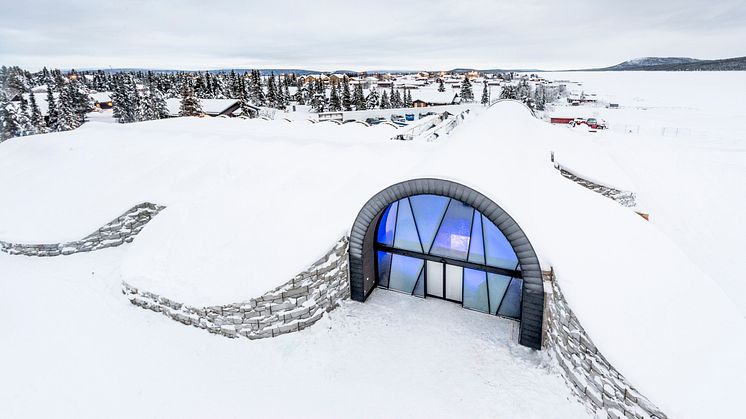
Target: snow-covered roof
209, 106
251, 203
101, 96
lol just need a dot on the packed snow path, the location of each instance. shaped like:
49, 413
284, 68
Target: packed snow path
84, 351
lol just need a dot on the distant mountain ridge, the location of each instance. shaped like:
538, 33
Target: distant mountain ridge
678, 64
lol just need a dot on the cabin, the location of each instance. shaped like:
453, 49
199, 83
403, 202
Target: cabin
213, 107
102, 100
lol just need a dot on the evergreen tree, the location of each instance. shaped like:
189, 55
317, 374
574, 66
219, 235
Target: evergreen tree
385, 104
396, 100
68, 113
407, 98
246, 110
358, 98
190, 105
441, 86
272, 92
8, 126
23, 121
53, 114
158, 103
467, 95
485, 95
335, 104
37, 120
508, 92
540, 98
346, 97
372, 100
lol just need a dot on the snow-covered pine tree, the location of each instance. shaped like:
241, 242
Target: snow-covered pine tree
385, 103
335, 103
158, 103
372, 101
441, 86
358, 98
53, 114
68, 115
37, 119
467, 94
190, 105
396, 100
346, 97
485, 95
271, 92
23, 119
407, 98
8, 126
540, 98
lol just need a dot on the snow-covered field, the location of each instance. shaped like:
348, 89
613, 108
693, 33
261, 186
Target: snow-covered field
685, 156
251, 203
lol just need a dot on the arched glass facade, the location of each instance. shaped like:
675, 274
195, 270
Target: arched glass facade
435, 246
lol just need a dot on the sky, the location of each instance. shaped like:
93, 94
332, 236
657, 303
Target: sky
383, 35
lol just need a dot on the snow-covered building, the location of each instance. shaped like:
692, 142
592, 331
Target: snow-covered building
211, 107
260, 235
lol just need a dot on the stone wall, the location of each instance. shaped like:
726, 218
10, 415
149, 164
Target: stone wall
121, 230
291, 307
625, 198
598, 385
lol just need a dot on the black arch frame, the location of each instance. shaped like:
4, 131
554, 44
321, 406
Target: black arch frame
362, 239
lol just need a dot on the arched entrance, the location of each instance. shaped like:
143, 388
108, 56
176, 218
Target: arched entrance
436, 238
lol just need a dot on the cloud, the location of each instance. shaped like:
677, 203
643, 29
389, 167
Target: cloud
387, 34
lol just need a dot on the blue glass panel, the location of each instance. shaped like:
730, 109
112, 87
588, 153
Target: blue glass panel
419, 288
498, 250
428, 211
498, 284
406, 231
452, 239
386, 225
511, 305
404, 273
475, 290
476, 248
384, 266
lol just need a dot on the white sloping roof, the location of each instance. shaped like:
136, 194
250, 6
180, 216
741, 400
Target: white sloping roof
209, 106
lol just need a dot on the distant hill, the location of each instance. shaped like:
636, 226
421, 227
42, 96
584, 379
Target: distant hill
678, 64
638, 63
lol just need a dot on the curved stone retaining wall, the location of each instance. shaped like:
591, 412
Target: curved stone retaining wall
593, 379
625, 198
291, 307
121, 230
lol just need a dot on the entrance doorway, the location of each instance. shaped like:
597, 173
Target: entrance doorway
432, 246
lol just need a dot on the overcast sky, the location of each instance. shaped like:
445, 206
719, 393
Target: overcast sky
382, 34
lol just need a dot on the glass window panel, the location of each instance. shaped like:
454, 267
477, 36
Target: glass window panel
384, 266
511, 305
406, 231
386, 225
475, 290
498, 250
476, 247
452, 239
404, 273
419, 287
428, 211
497, 284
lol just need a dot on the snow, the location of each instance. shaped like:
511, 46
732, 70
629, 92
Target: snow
250, 203
79, 349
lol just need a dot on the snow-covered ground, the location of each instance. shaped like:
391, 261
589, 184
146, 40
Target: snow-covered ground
79, 349
251, 203
685, 157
